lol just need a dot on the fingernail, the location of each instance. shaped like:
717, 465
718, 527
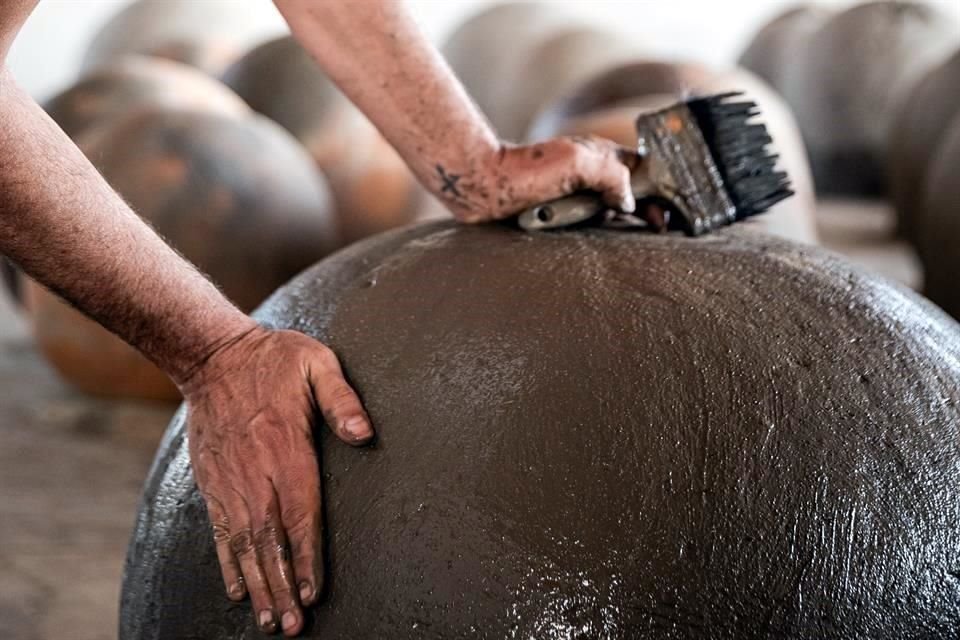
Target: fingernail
267, 621
236, 590
356, 426
289, 620
629, 204
306, 592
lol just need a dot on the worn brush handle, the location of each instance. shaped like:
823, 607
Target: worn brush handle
581, 207
562, 212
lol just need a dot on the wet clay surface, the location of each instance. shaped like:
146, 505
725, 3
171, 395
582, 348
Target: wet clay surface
606, 435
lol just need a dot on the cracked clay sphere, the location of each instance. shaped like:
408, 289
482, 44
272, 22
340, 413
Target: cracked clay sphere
605, 435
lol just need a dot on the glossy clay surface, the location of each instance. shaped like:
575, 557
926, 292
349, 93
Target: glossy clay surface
606, 435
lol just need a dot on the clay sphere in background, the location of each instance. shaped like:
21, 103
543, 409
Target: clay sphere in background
600, 434
919, 127
210, 34
373, 187
779, 43
938, 231
487, 53
558, 62
114, 90
608, 106
10, 279
848, 80
239, 198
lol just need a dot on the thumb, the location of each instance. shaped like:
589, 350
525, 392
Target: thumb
339, 403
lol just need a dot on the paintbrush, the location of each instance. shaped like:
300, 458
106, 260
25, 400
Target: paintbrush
700, 164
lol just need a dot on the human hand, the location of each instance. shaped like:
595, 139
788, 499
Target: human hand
524, 176
251, 406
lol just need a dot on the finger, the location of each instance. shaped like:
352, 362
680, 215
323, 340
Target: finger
338, 402
601, 170
298, 491
274, 556
229, 567
243, 546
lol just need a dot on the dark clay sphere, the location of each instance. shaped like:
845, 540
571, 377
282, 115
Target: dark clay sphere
776, 46
600, 434
938, 231
918, 130
113, 91
373, 188
847, 80
208, 34
238, 197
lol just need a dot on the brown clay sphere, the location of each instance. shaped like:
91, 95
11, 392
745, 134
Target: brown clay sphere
124, 85
373, 187
919, 128
608, 104
239, 198
848, 80
598, 434
208, 34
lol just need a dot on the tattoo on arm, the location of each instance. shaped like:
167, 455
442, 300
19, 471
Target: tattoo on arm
449, 182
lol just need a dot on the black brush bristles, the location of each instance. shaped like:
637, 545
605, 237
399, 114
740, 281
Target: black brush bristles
739, 147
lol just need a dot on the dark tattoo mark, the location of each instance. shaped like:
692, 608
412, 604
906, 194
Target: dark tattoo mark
449, 182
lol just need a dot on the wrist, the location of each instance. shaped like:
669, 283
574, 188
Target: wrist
203, 367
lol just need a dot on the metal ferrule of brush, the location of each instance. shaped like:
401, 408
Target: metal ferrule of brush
704, 162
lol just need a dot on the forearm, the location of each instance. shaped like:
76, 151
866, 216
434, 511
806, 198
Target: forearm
378, 56
64, 226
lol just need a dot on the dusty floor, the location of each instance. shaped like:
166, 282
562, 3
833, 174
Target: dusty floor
71, 467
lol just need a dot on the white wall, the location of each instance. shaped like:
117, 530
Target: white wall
46, 55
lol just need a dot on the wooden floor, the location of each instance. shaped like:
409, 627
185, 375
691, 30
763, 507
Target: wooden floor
71, 467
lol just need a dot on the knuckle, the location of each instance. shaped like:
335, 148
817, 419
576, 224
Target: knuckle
326, 358
241, 542
268, 538
298, 521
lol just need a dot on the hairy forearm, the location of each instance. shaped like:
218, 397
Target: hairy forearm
378, 56
64, 226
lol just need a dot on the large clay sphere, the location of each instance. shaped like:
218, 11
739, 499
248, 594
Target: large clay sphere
938, 234
846, 84
606, 435
609, 103
372, 185
488, 53
237, 197
209, 34
113, 91
777, 45
918, 129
